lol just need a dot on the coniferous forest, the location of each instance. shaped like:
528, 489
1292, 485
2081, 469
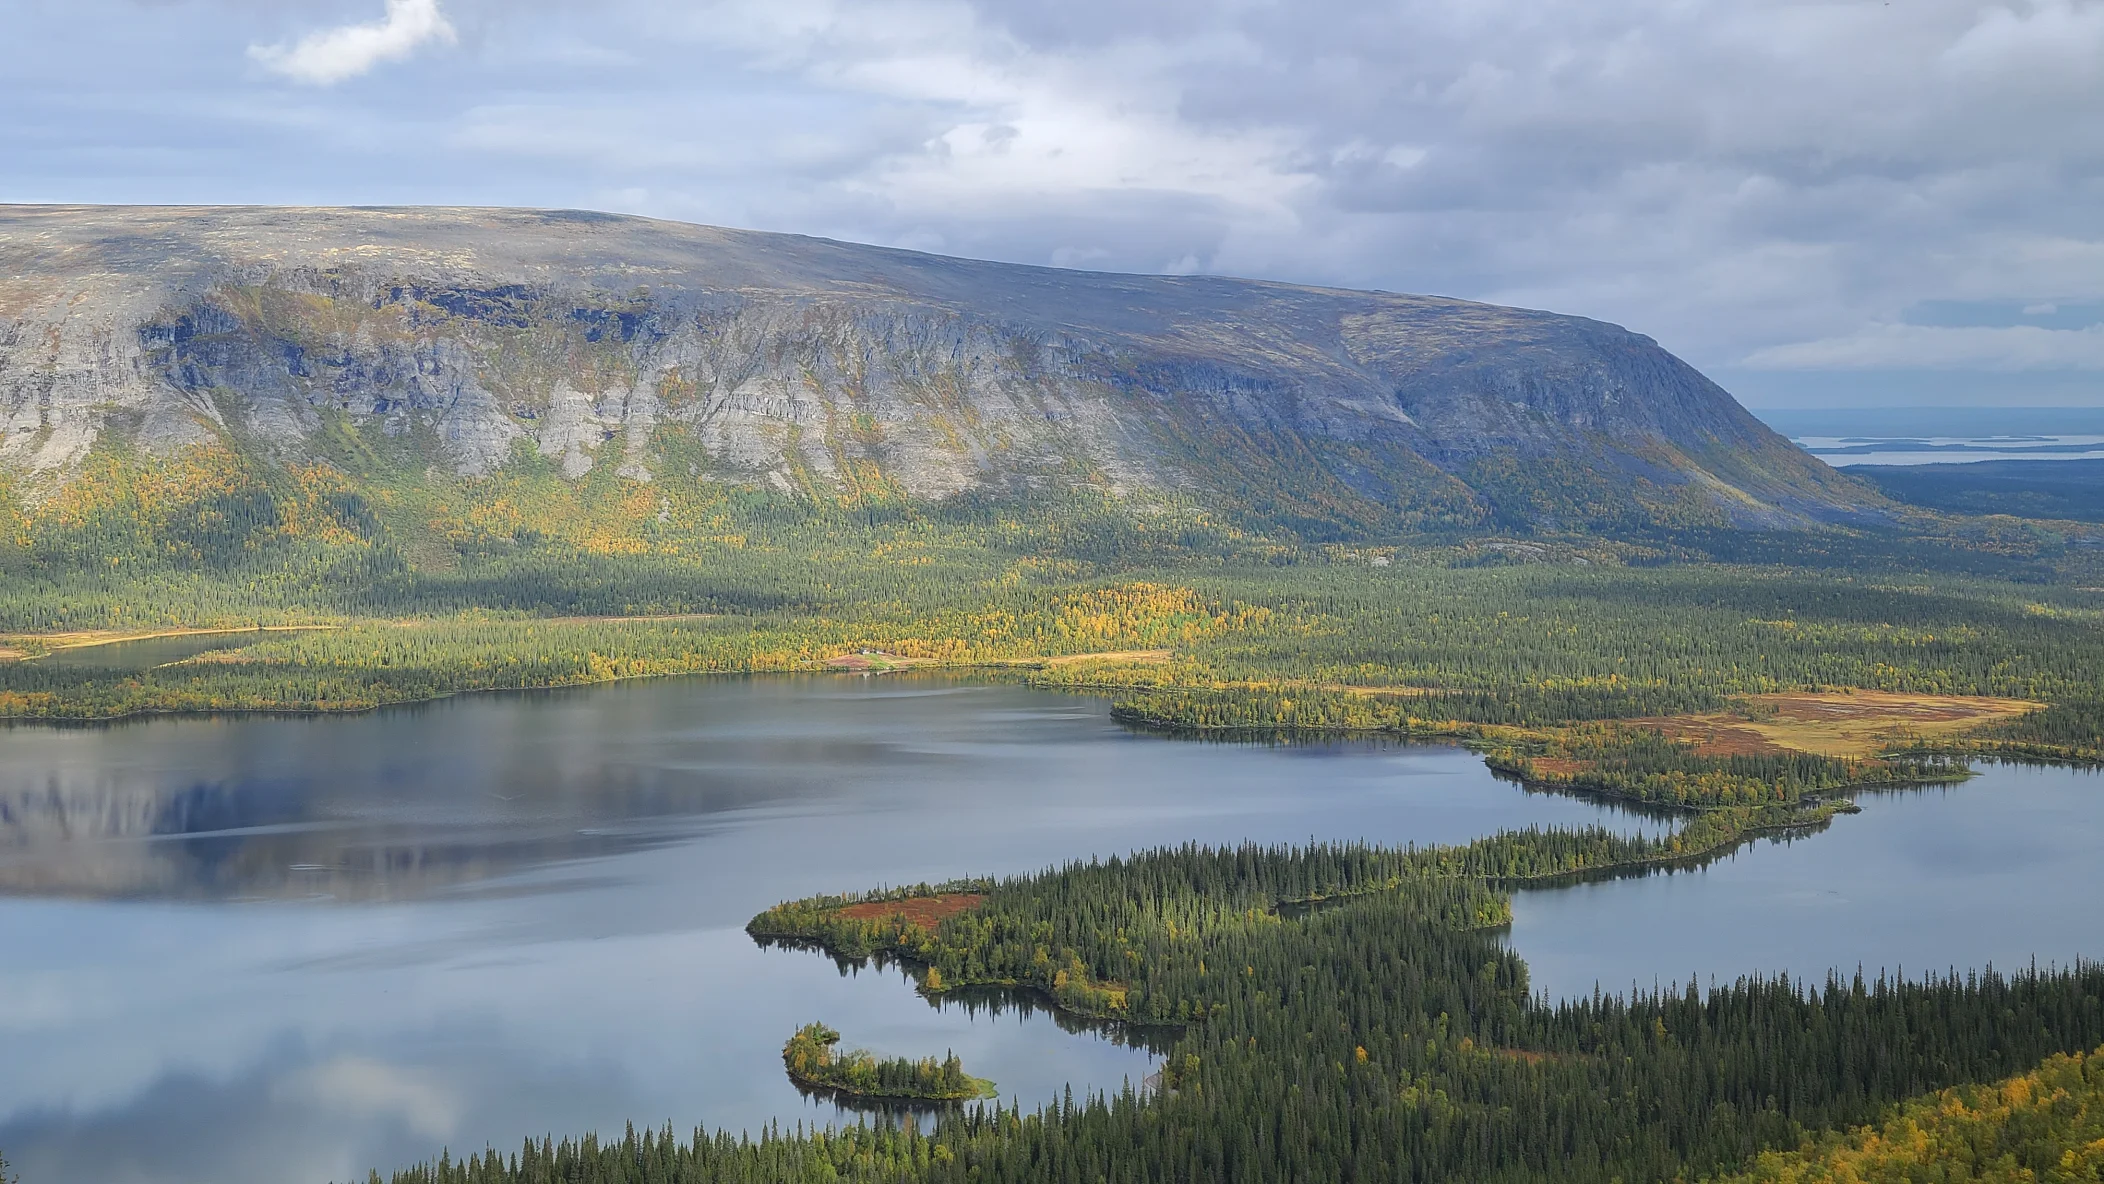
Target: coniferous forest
1328, 1012
1348, 1013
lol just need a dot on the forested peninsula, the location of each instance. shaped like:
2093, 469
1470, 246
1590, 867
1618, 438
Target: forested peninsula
1388, 1034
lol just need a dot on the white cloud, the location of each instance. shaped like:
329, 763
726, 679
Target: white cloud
1781, 179
364, 1086
333, 55
1023, 124
1933, 347
1728, 175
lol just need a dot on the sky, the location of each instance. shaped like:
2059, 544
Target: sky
1822, 204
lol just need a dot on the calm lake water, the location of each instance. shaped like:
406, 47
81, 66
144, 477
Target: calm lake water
287, 950
1999, 870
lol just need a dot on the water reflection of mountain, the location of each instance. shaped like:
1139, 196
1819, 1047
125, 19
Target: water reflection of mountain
407, 802
102, 837
976, 1001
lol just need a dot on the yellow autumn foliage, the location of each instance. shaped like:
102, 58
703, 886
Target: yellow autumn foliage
2041, 1127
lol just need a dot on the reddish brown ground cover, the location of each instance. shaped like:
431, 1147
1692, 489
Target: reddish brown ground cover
1714, 735
924, 912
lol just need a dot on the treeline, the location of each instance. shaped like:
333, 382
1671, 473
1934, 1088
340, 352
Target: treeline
1620, 760
365, 664
1343, 708
812, 1062
1643, 765
2070, 730
1385, 1034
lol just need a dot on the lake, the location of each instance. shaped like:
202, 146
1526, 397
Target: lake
290, 949
1995, 871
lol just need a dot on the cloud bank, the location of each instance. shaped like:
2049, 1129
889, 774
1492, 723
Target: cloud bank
1767, 186
1980, 347
333, 55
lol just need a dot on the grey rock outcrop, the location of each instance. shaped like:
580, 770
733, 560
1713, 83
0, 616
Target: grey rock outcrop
800, 364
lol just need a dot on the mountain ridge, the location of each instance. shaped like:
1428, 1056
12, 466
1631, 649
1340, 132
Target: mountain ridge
478, 338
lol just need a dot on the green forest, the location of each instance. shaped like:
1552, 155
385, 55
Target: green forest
1347, 1012
1334, 1012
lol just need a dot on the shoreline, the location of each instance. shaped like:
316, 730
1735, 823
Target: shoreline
1756, 823
985, 1090
989, 666
1462, 734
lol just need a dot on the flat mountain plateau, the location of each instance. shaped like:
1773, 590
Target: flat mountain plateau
466, 341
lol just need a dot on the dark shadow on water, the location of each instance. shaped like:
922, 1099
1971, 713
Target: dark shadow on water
1029, 1001
893, 1111
1022, 1002
1303, 738
1612, 803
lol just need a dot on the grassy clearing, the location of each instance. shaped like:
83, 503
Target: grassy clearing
1849, 724
878, 661
1127, 657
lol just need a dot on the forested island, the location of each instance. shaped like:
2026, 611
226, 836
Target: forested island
813, 1063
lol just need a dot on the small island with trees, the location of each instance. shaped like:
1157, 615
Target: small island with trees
813, 1064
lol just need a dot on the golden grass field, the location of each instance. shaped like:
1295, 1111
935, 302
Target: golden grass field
877, 660
1837, 723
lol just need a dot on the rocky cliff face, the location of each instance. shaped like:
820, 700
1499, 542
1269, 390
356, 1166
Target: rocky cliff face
478, 338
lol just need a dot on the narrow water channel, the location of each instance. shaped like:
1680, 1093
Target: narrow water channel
1996, 871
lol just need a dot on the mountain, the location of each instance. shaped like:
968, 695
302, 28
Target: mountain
472, 340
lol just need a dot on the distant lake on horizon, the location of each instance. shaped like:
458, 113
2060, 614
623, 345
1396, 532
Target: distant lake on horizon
1845, 437
1847, 451
288, 950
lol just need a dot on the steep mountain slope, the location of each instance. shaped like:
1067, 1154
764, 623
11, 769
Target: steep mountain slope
473, 340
